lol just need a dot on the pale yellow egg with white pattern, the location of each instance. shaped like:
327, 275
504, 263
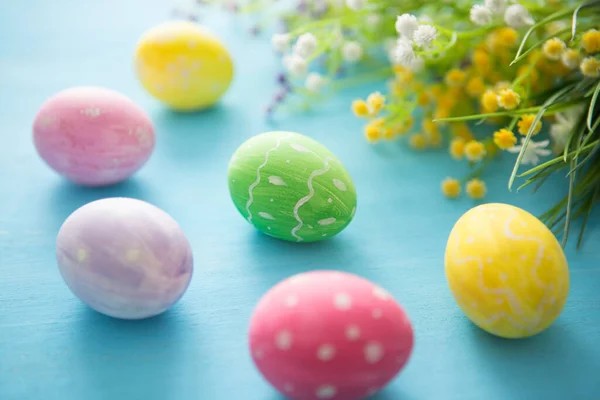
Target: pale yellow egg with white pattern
506, 270
183, 65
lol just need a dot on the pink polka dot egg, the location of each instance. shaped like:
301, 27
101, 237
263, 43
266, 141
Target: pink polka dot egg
329, 335
93, 136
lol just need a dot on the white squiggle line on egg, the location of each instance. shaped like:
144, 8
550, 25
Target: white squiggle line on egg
257, 181
307, 198
510, 296
540, 254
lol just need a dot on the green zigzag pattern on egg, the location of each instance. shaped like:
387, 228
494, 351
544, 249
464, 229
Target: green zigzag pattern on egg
291, 187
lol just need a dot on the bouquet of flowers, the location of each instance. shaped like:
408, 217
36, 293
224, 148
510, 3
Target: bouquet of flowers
478, 77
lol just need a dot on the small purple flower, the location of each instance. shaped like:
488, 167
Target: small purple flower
301, 6
282, 80
255, 30
280, 96
269, 110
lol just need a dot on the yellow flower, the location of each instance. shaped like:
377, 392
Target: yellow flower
475, 86
490, 148
508, 37
375, 102
447, 100
441, 113
404, 127
571, 58
373, 133
389, 133
451, 188
474, 151
457, 148
434, 138
418, 141
360, 108
456, 77
505, 139
508, 99
553, 48
436, 90
476, 188
591, 41
481, 61
525, 123
429, 126
423, 98
461, 130
590, 67
489, 101
529, 74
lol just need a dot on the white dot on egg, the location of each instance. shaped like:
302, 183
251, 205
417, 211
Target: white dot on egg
373, 352
326, 392
470, 240
330, 200
326, 352
381, 293
192, 44
196, 65
310, 226
283, 340
499, 300
266, 215
287, 161
503, 276
171, 67
352, 332
291, 301
474, 304
259, 354
268, 227
339, 184
324, 234
288, 387
377, 313
342, 301
326, 221
523, 257
271, 200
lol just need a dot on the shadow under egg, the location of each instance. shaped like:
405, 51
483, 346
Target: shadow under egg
519, 366
116, 358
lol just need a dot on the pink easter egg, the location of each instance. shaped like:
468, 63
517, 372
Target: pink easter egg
93, 136
329, 335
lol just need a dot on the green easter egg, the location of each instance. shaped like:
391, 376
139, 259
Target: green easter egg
291, 187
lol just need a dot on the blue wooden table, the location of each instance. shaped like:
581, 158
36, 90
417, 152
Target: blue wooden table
52, 347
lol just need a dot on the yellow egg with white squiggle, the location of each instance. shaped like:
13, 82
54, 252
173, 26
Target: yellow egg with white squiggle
506, 270
183, 65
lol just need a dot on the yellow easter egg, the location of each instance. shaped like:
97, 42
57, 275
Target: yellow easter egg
183, 65
506, 270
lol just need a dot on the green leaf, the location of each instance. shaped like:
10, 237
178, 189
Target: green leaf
590, 206
592, 107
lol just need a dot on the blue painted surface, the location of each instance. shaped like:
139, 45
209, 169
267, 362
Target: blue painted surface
54, 348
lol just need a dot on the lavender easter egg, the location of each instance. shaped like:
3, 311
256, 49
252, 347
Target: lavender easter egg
93, 136
124, 257
291, 187
329, 335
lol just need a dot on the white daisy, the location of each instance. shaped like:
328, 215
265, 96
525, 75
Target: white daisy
533, 151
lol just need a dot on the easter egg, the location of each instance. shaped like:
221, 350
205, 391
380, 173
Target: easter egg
124, 258
506, 270
329, 335
291, 187
183, 65
93, 136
